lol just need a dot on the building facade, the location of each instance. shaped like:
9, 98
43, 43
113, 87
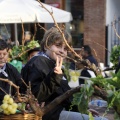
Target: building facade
88, 25
95, 27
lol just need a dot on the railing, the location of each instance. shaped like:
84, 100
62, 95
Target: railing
114, 38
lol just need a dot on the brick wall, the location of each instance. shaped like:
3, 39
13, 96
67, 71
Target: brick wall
94, 26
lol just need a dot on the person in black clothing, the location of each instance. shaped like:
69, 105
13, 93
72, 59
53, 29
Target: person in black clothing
47, 78
7, 71
87, 55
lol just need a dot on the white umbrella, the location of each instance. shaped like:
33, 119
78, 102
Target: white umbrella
30, 11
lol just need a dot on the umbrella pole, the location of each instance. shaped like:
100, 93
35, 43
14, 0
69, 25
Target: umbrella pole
16, 34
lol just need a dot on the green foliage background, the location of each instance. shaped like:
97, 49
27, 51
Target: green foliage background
16, 50
115, 54
110, 85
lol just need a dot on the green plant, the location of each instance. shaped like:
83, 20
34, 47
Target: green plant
115, 54
66, 70
20, 52
109, 87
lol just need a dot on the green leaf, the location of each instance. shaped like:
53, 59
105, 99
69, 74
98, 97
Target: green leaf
90, 116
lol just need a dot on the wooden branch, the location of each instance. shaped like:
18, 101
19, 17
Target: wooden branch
51, 13
36, 109
12, 84
59, 99
3, 91
23, 36
35, 30
6, 30
42, 111
20, 54
100, 92
93, 41
42, 27
113, 24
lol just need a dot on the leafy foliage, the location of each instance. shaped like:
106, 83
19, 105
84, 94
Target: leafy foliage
110, 85
66, 70
115, 54
82, 98
20, 52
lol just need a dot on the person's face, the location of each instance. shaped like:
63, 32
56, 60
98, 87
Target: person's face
57, 50
27, 37
3, 57
84, 53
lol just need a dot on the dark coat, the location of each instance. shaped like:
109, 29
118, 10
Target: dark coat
92, 59
46, 85
84, 72
14, 76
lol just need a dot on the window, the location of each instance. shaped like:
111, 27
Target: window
76, 27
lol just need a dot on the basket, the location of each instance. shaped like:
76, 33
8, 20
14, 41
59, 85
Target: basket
25, 116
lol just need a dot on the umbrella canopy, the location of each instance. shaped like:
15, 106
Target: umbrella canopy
30, 11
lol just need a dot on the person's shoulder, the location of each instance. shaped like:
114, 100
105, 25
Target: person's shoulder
42, 61
93, 60
90, 57
36, 58
35, 61
30, 62
11, 68
8, 65
41, 58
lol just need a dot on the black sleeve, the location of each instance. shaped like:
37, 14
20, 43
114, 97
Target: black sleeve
43, 86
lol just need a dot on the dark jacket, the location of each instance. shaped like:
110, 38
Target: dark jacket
46, 85
14, 76
84, 72
92, 59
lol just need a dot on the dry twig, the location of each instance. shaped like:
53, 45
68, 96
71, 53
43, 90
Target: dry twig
42, 27
12, 84
113, 24
23, 36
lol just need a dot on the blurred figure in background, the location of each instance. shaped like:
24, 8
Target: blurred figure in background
87, 55
27, 37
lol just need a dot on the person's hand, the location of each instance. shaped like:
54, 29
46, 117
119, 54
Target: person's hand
58, 67
94, 112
